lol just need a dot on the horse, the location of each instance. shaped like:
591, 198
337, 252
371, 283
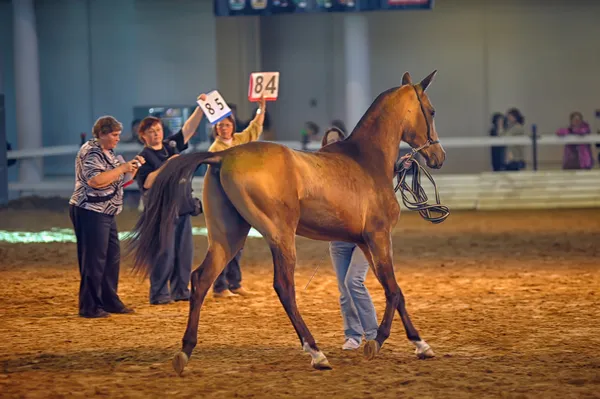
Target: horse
342, 192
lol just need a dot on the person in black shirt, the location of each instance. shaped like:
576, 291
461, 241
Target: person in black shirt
171, 272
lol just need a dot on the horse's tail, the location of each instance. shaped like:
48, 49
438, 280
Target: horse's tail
156, 225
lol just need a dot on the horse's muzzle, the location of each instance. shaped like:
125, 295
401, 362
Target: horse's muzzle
436, 159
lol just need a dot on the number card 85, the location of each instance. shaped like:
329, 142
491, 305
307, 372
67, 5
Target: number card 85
266, 83
214, 107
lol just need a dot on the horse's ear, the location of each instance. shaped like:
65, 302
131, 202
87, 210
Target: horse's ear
406, 80
427, 81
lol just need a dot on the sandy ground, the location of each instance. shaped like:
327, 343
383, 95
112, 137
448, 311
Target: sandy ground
509, 301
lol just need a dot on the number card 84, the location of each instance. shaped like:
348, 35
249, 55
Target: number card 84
266, 83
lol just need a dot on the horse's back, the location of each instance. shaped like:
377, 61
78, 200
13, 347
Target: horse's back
328, 191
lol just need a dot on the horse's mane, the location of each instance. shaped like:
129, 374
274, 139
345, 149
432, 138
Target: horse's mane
365, 120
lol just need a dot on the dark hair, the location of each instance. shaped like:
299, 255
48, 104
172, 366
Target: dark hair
146, 124
328, 131
494, 128
339, 124
135, 122
574, 114
517, 115
231, 119
105, 125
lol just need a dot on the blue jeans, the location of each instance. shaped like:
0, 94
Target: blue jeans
358, 311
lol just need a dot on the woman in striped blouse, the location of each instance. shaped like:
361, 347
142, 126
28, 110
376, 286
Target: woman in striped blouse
98, 197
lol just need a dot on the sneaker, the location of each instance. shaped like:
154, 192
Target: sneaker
351, 344
241, 291
223, 294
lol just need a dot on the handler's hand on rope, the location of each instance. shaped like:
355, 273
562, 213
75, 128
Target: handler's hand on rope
419, 197
406, 160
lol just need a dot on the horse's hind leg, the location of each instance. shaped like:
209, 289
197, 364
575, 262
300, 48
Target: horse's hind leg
227, 233
284, 261
276, 220
379, 246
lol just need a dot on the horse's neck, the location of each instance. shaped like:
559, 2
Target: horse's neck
377, 138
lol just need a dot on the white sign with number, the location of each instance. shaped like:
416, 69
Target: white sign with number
266, 83
214, 108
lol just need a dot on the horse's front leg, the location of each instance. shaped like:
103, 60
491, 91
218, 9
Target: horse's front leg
284, 261
379, 245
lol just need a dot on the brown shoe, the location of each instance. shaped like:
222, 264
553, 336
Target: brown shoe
223, 294
242, 291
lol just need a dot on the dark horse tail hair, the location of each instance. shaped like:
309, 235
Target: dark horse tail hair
155, 227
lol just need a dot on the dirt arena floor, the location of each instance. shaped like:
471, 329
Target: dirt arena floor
509, 301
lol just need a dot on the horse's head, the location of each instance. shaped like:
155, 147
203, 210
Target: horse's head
419, 125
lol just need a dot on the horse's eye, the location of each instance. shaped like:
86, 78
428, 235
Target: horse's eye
432, 113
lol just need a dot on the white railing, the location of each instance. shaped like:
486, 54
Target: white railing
447, 142
491, 190
66, 183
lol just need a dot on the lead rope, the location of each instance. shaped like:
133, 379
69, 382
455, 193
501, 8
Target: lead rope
419, 201
311, 277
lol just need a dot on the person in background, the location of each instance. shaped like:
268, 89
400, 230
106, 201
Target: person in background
351, 267
239, 123
9, 161
135, 127
310, 131
340, 125
170, 276
96, 200
229, 282
498, 152
515, 154
132, 196
268, 133
577, 156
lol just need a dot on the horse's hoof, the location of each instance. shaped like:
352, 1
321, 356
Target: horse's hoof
321, 364
423, 350
179, 362
371, 350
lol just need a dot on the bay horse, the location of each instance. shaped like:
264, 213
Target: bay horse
343, 192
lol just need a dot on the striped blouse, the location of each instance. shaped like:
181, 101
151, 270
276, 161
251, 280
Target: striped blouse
91, 160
